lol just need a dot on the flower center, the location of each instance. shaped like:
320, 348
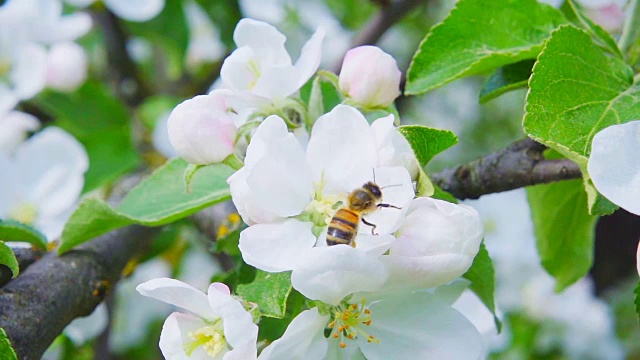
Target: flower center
254, 69
351, 321
210, 337
319, 212
24, 212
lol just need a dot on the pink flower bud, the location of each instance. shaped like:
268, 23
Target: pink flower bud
201, 131
67, 66
370, 77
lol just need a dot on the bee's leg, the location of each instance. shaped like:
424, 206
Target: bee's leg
388, 206
373, 226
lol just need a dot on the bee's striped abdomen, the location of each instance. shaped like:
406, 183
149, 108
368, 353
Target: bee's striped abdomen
343, 227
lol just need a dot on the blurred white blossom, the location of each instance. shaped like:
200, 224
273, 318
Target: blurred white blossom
204, 38
575, 321
14, 127
67, 66
42, 181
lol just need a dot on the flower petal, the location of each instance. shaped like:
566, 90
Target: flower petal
280, 181
419, 326
277, 82
264, 39
341, 151
14, 126
614, 164
177, 293
393, 148
330, 273
276, 247
303, 339
175, 334
310, 57
135, 10
52, 166
29, 71
9, 188
275, 181
239, 330
236, 71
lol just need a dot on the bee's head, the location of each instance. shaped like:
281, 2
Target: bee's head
374, 189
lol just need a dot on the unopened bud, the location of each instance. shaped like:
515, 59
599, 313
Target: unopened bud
201, 131
370, 77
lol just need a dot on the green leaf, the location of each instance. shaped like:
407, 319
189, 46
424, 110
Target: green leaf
158, 200
101, 123
564, 230
505, 79
8, 258
6, 351
575, 91
478, 36
270, 291
427, 142
11, 230
483, 281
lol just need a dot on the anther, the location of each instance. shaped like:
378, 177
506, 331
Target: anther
343, 345
335, 336
367, 311
368, 322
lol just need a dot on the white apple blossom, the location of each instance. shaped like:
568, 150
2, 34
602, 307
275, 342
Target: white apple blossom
402, 326
25, 27
288, 196
67, 66
43, 180
370, 77
43, 22
14, 127
132, 10
201, 130
218, 326
260, 69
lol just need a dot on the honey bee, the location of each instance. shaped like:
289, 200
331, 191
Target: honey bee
343, 227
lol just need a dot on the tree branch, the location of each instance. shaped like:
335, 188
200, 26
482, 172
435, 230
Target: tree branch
38, 304
520, 164
125, 75
389, 14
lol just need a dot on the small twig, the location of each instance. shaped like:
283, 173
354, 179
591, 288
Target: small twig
390, 12
122, 69
520, 164
38, 304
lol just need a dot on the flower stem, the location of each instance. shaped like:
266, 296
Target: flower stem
233, 162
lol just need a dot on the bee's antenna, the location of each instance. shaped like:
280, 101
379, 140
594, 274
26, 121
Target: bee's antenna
374, 174
391, 186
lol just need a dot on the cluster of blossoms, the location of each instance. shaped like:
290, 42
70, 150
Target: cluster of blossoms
387, 291
38, 51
